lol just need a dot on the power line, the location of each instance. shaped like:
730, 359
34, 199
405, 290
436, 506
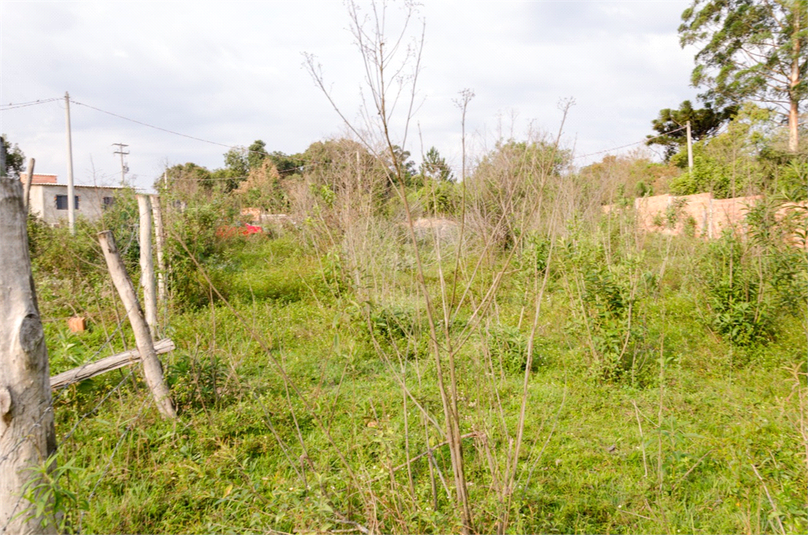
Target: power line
264, 153
630, 144
155, 127
14, 106
232, 147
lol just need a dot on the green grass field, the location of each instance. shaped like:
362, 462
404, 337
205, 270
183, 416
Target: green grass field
302, 395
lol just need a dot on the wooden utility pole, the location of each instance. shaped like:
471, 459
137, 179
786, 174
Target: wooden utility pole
71, 199
147, 263
27, 436
152, 370
159, 246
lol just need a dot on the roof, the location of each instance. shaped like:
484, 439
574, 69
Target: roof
42, 179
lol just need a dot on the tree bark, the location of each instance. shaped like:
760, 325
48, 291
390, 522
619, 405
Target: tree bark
794, 110
107, 364
147, 264
27, 436
27, 196
152, 369
159, 246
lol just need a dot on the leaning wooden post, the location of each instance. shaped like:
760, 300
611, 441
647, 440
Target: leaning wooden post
147, 264
26, 200
152, 369
159, 245
27, 436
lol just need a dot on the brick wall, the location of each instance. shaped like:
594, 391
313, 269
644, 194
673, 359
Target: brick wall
708, 217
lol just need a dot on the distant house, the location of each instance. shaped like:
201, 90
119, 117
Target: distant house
48, 200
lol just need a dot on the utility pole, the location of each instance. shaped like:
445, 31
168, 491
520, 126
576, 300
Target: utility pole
71, 196
689, 149
124, 167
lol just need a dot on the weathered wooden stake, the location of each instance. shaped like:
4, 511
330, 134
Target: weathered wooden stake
159, 244
27, 197
147, 264
27, 436
152, 369
106, 364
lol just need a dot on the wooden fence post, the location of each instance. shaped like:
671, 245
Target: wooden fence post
27, 196
159, 246
147, 264
27, 436
152, 369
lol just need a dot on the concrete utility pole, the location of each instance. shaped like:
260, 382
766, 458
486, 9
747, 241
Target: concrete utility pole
124, 167
71, 199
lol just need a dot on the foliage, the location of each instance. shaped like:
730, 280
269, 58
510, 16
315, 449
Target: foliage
791, 180
263, 189
248, 452
185, 180
439, 197
729, 164
401, 158
508, 348
51, 501
665, 393
256, 154
621, 178
750, 49
287, 164
434, 167
508, 183
14, 157
751, 283
704, 123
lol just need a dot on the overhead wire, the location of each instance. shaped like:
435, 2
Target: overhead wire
195, 138
264, 153
14, 106
646, 140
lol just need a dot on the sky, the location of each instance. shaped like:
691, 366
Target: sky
228, 73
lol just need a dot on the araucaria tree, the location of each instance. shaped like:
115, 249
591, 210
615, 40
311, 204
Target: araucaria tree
751, 50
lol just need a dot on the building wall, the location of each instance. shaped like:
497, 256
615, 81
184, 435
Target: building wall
91, 201
710, 216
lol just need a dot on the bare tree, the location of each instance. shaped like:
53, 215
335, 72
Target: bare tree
392, 64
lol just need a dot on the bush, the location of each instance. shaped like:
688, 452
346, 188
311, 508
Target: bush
508, 348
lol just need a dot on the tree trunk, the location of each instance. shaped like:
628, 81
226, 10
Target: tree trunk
152, 370
794, 110
27, 436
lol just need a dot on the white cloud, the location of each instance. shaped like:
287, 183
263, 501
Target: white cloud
232, 73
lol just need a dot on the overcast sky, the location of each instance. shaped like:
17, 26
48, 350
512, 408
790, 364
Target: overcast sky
232, 72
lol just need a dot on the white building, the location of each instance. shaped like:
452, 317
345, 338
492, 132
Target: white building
48, 200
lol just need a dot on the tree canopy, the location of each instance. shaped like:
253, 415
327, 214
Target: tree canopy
704, 122
15, 159
750, 50
435, 167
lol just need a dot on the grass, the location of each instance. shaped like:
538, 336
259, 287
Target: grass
699, 436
